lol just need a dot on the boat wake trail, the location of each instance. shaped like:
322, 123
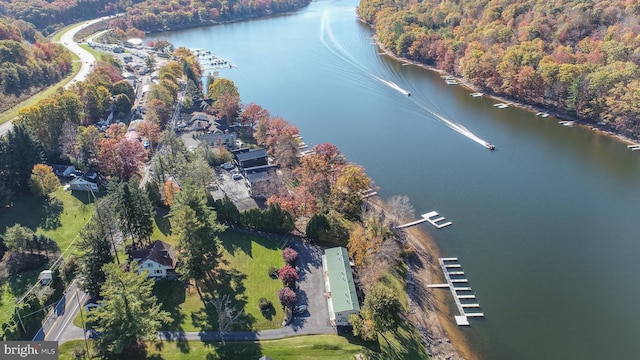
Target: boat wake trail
392, 85
461, 129
328, 39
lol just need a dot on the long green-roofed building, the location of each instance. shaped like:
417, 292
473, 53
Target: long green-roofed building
341, 290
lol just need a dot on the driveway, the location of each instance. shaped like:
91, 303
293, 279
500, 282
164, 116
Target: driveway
311, 290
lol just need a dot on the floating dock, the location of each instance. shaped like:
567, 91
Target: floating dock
460, 293
432, 217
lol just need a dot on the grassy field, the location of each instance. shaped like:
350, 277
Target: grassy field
326, 347
28, 212
243, 276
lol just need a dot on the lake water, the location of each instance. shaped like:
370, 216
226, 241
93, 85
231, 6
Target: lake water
546, 226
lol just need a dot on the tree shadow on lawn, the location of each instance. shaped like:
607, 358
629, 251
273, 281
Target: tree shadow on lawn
245, 350
228, 282
27, 211
233, 240
172, 294
162, 221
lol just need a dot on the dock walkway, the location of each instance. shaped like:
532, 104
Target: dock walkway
462, 292
432, 217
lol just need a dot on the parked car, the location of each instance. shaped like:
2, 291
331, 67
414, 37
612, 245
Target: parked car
227, 166
236, 177
300, 309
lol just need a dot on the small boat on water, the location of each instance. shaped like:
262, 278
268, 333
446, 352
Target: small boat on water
489, 146
542, 114
476, 94
566, 123
451, 82
501, 105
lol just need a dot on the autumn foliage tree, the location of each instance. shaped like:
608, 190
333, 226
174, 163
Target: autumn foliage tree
43, 181
287, 297
288, 276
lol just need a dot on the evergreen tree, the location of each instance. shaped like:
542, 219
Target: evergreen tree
134, 211
21, 151
196, 229
129, 311
95, 240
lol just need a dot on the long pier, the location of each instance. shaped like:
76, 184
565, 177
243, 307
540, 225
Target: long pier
461, 292
432, 217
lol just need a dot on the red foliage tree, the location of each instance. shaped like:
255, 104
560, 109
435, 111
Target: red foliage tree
287, 297
288, 275
289, 256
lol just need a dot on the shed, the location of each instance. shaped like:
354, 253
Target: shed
339, 286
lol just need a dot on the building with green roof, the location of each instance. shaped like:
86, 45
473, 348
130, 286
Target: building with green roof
340, 288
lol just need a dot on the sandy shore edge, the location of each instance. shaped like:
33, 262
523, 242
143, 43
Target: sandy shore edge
429, 309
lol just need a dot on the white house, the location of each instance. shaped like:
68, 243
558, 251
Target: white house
82, 184
339, 286
159, 259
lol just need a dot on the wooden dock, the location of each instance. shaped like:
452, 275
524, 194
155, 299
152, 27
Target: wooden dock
432, 217
460, 293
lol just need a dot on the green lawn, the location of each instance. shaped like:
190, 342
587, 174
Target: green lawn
28, 211
326, 347
243, 277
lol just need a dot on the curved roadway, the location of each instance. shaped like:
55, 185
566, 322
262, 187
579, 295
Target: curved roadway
86, 58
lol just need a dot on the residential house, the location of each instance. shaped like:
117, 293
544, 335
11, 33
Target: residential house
63, 170
83, 184
252, 158
339, 285
220, 138
159, 259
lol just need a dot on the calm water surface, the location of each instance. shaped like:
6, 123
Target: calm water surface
546, 227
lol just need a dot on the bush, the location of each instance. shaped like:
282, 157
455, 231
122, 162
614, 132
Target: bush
264, 304
288, 275
287, 297
273, 272
289, 256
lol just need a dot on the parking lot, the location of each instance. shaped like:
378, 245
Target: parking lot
236, 190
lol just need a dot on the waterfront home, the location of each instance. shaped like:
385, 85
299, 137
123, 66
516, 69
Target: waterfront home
339, 285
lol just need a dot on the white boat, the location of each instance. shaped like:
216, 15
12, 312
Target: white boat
476, 94
566, 123
501, 105
451, 82
542, 114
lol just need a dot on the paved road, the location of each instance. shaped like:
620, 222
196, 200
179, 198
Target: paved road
87, 60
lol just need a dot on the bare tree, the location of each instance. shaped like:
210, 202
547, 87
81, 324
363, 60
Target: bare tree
227, 315
401, 208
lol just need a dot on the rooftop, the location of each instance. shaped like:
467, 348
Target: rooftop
343, 289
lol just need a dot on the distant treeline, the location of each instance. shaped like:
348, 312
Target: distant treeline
29, 63
49, 15
580, 57
165, 14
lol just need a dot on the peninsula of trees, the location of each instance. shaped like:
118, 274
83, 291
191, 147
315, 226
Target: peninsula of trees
579, 57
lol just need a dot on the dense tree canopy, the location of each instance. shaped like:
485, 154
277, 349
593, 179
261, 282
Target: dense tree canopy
580, 57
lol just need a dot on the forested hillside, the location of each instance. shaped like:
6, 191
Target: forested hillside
168, 14
48, 15
27, 64
580, 57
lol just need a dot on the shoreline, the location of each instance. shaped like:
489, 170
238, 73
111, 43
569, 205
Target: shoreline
601, 129
429, 308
